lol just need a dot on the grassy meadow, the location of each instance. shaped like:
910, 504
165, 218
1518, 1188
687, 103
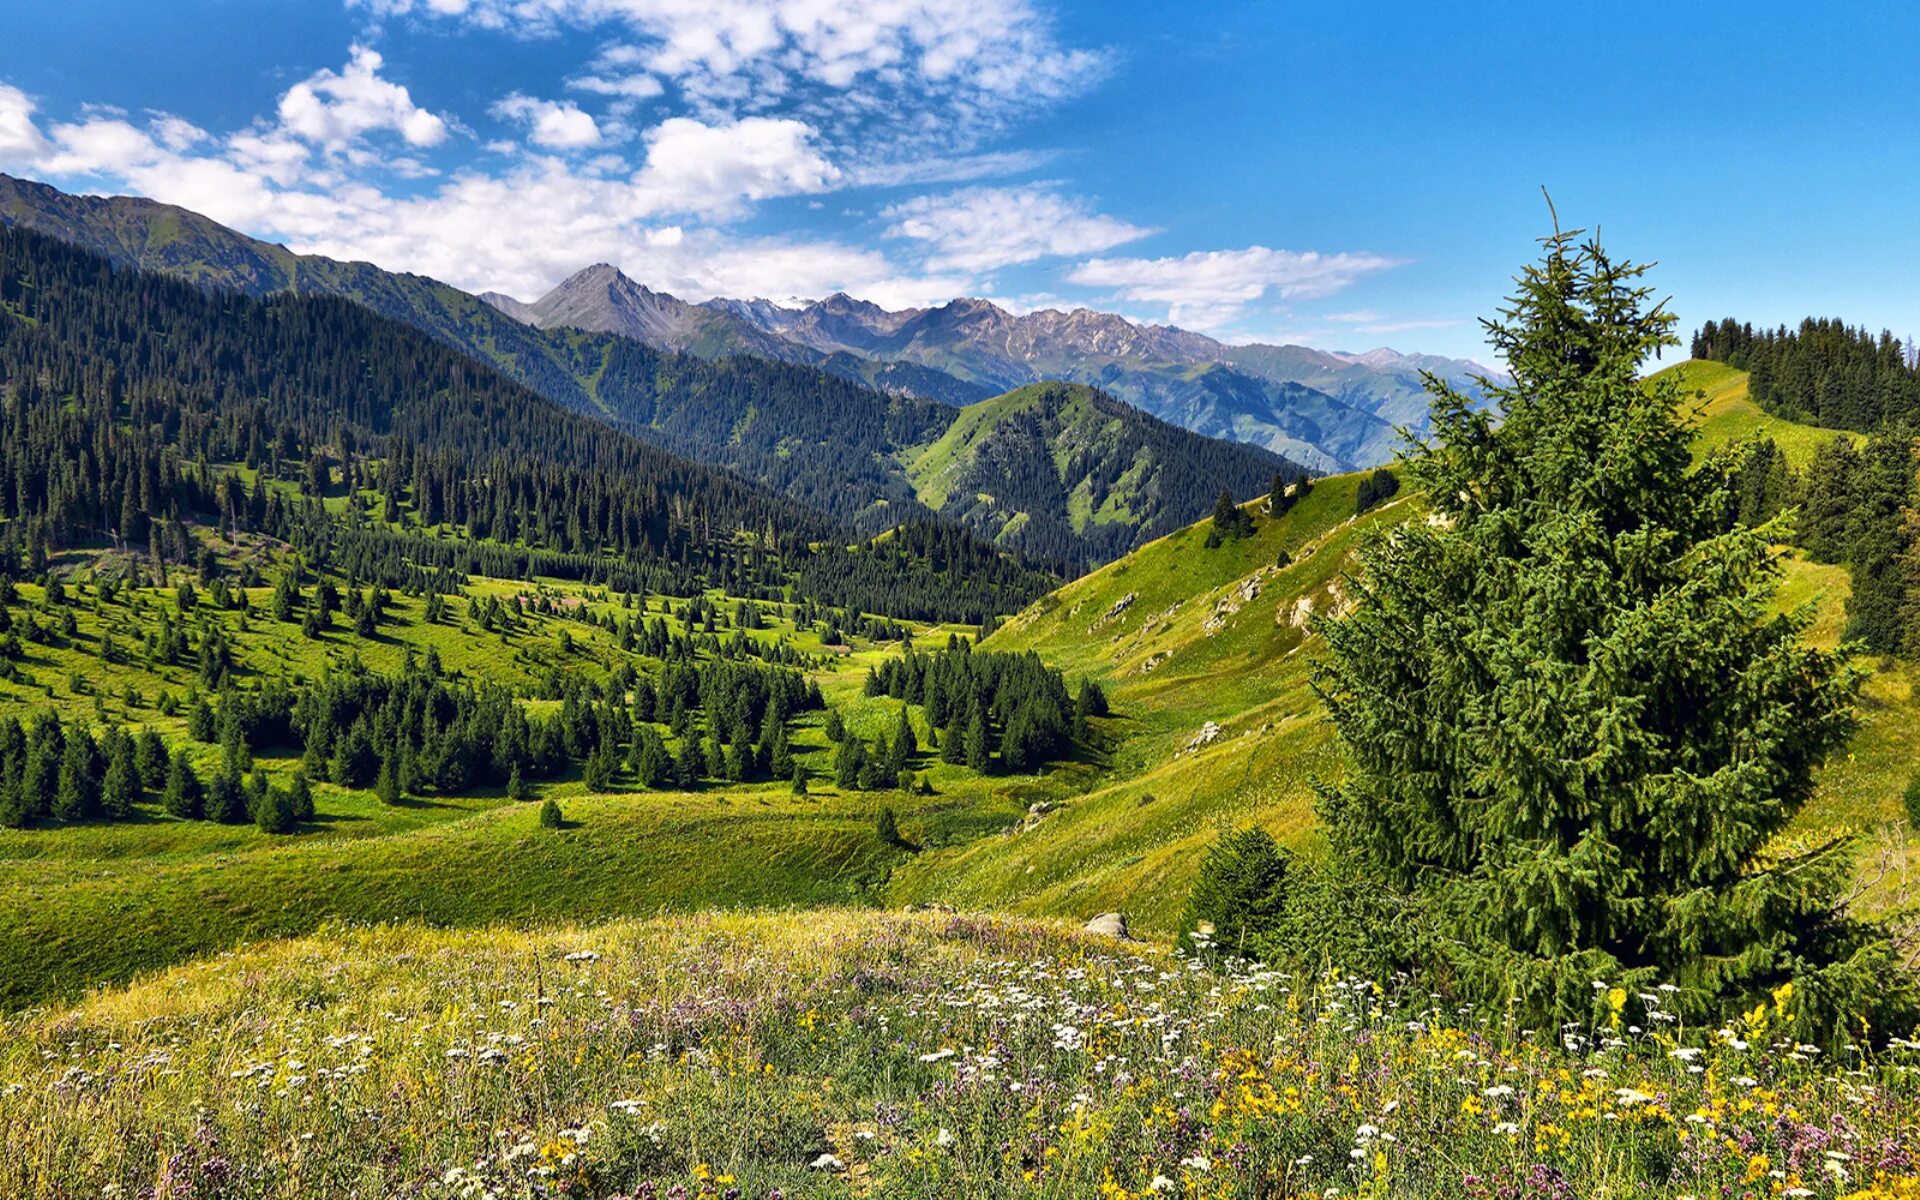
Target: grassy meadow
854, 1053
1205, 654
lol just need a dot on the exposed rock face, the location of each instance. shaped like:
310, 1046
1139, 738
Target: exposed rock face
1109, 924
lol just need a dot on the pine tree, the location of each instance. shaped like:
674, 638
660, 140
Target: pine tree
1574, 723
226, 797
387, 785
200, 723
550, 817
300, 796
977, 754
849, 762
76, 796
1826, 524
1238, 896
151, 757
183, 797
120, 786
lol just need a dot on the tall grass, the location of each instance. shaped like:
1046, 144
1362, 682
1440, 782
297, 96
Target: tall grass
898, 1056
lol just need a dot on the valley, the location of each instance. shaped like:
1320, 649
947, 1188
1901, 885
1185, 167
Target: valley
554, 759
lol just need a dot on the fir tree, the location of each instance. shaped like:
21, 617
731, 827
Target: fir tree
1574, 722
977, 753
120, 786
76, 796
183, 797
1238, 896
387, 785
300, 796
226, 797
849, 762
200, 723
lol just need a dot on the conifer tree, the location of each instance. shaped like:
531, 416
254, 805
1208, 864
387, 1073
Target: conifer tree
848, 763
300, 796
977, 752
387, 785
76, 795
226, 797
120, 786
183, 796
1575, 723
150, 755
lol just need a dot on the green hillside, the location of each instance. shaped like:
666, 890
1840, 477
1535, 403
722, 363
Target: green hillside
839, 435
1728, 414
1183, 636
1065, 471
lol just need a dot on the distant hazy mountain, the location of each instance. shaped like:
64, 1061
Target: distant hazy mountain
1330, 411
1079, 480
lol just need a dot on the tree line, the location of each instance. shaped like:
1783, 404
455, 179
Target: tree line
137, 409
1825, 372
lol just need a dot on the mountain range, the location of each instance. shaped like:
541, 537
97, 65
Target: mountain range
842, 434
1325, 410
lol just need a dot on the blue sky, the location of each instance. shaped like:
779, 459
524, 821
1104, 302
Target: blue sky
1344, 175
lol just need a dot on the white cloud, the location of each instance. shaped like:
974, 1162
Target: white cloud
695, 167
1209, 288
927, 72
20, 139
978, 229
957, 168
556, 125
336, 109
632, 87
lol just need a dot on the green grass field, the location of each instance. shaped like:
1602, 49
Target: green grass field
1205, 654
901, 1056
99, 902
1156, 627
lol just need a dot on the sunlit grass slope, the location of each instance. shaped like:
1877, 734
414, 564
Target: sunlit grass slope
1184, 635
911, 1057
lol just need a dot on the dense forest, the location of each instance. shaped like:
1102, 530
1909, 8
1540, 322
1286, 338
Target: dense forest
137, 408
422, 732
1068, 473
1826, 372
1855, 504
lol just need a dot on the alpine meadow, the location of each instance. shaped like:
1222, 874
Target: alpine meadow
628, 601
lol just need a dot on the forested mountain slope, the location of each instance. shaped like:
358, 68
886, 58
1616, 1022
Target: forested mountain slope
815, 433
141, 406
1065, 471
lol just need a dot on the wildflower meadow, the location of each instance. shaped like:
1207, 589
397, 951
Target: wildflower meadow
902, 1055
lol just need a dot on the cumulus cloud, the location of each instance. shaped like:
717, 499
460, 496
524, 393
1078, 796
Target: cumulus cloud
557, 125
334, 109
979, 229
1208, 288
20, 139
924, 72
695, 167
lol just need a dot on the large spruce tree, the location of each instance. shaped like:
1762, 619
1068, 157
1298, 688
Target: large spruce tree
1577, 724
